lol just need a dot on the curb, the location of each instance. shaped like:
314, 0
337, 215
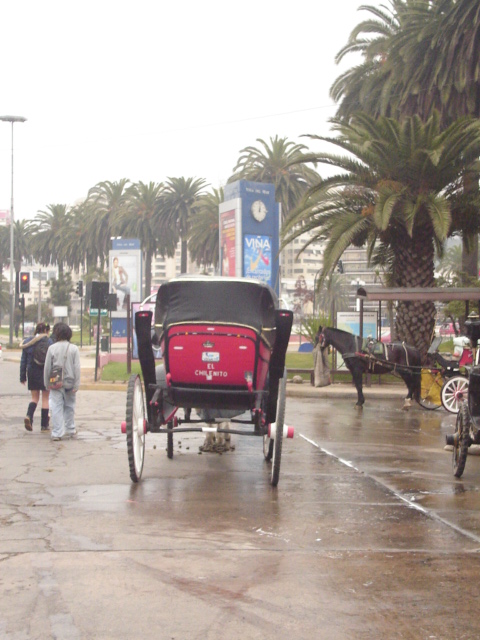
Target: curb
293, 390
304, 390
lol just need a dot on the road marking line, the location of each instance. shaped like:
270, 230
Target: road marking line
410, 503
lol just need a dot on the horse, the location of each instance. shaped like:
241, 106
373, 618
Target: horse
375, 357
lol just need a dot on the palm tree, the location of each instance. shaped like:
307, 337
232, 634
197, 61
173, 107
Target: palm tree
178, 208
4, 247
391, 79
446, 73
105, 202
447, 77
21, 249
50, 236
22, 244
450, 266
140, 218
78, 245
332, 295
425, 57
4, 296
275, 164
361, 88
204, 231
398, 192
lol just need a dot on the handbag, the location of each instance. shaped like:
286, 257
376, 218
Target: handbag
55, 380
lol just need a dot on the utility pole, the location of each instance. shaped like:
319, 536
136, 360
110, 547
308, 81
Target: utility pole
12, 120
39, 310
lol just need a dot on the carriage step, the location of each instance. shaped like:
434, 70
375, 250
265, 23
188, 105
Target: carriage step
450, 440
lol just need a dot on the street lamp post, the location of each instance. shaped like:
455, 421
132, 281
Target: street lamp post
12, 119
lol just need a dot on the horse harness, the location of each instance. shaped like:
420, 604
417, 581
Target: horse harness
365, 350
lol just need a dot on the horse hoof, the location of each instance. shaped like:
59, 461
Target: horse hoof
359, 407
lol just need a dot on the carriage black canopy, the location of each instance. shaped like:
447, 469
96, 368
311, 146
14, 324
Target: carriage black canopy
216, 299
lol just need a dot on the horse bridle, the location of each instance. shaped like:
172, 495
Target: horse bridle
322, 341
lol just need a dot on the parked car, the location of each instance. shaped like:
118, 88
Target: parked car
446, 329
385, 337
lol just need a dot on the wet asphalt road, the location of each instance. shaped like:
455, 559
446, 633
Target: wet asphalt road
368, 535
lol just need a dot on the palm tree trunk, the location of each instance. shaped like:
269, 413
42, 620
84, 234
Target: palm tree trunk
470, 257
183, 261
414, 267
148, 272
470, 243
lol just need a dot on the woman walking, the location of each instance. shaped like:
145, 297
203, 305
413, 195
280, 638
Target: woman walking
62, 401
32, 364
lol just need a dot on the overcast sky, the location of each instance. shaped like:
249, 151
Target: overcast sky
147, 90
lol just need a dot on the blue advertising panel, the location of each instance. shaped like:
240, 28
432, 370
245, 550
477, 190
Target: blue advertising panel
257, 258
119, 327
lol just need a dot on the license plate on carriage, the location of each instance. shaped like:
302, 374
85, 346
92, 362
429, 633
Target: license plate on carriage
210, 356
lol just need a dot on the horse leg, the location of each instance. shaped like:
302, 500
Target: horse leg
358, 382
209, 443
216, 442
411, 382
407, 402
223, 440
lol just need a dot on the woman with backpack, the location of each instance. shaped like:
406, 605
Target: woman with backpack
32, 363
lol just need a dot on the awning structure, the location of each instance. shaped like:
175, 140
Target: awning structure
440, 294
434, 294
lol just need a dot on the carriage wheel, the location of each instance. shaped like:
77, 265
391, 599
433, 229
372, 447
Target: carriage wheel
280, 421
135, 427
462, 440
450, 389
170, 439
267, 448
431, 392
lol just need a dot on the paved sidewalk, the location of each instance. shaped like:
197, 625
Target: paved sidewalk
346, 390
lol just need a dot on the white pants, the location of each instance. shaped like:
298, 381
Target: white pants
62, 408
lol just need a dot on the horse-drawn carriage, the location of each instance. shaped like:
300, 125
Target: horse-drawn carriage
223, 342
437, 384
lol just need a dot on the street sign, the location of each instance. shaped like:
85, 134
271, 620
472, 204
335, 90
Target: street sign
94, 312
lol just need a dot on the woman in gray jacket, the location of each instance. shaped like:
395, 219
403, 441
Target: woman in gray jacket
62, 401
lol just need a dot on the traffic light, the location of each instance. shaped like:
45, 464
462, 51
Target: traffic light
340, 266
24, 282
79, 289
21, 304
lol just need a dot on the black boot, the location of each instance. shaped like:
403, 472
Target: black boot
44, 423
29, 417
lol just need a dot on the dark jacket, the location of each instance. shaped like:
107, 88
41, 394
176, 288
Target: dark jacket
27, 348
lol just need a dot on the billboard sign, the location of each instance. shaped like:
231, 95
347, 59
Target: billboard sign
125, 274
227, 247
350, 321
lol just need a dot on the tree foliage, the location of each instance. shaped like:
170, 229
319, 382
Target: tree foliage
397, 192
276, 163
